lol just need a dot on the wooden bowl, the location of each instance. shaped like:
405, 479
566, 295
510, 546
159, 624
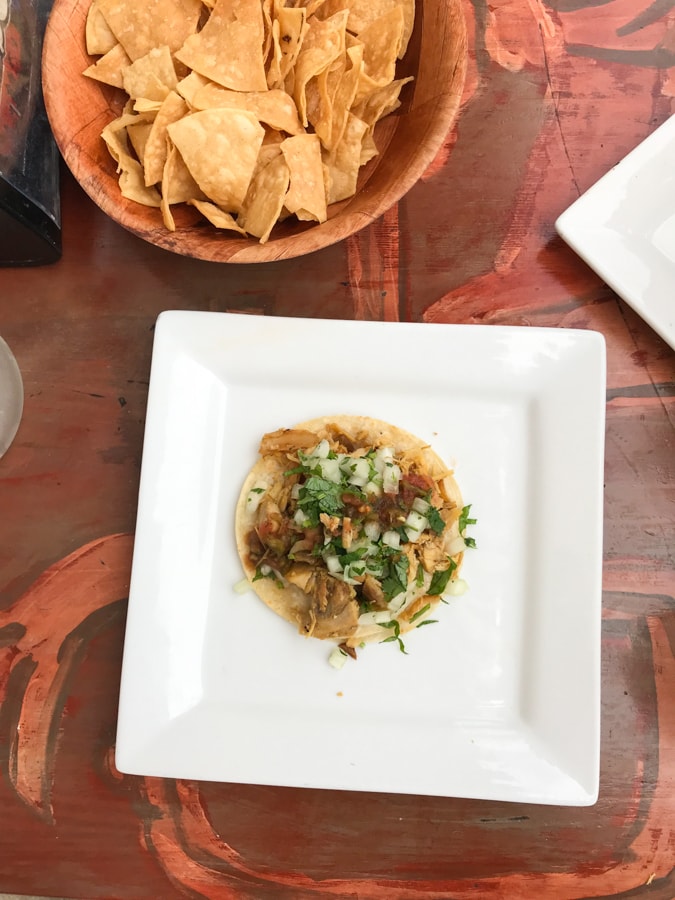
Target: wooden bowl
79, 108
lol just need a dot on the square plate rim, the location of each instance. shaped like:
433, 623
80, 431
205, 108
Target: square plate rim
581, 224
175, 320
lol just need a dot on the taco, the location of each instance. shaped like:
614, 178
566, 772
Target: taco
350, 528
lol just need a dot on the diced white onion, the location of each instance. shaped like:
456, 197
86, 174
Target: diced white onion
295, 490
364, 544
455, 545
242, 586
332, 564
376, 617
391, 539
321, 450
420, 506
372, 487
359, 469
397, 604
330, 469
349, 573
300, 518
391, 477
382, 457
254, 497
337, 658
415, 524
416, 521
457, 587
372, 530
358, 481
265, 569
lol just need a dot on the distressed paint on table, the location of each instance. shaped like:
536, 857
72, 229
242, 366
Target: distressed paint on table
556, 94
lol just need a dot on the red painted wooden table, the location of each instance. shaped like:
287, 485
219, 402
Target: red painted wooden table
557, 93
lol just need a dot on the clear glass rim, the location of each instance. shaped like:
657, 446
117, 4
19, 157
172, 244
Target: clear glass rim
11, 396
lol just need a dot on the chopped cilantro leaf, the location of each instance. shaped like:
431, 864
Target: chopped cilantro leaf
470, 542
258, 490
396, 636
401, 566
319, 495
420, 613
396, 578
351, 556
439, 581
435, 520
464, 519
403, 534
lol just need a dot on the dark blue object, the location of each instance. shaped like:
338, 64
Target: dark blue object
30, 212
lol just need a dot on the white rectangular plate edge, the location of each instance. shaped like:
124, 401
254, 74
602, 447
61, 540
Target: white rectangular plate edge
500, 699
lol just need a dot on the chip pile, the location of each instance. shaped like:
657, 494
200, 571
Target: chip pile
248, 110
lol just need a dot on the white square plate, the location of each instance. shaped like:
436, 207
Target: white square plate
623, 227
501, 698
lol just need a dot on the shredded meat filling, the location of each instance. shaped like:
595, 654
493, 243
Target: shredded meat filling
333, 611
286, 440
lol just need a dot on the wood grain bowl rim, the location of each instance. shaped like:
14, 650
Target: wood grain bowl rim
78, 108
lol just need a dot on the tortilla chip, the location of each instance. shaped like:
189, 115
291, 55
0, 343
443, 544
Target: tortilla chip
310, 6
152, 23
138, 136
345, 94
228, 49
187, 87
131, 180
306, 196
368, 147
98, 37
329, 7
267, 153
147, 108
178, 185
319, 94
172, 109
344, 162
265, 199
274, 107
267, 6
289, 27
216, 215
381, 43
151, 76
110, 68
220, 148
380, 102
364, 12
321, 46
331, 94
